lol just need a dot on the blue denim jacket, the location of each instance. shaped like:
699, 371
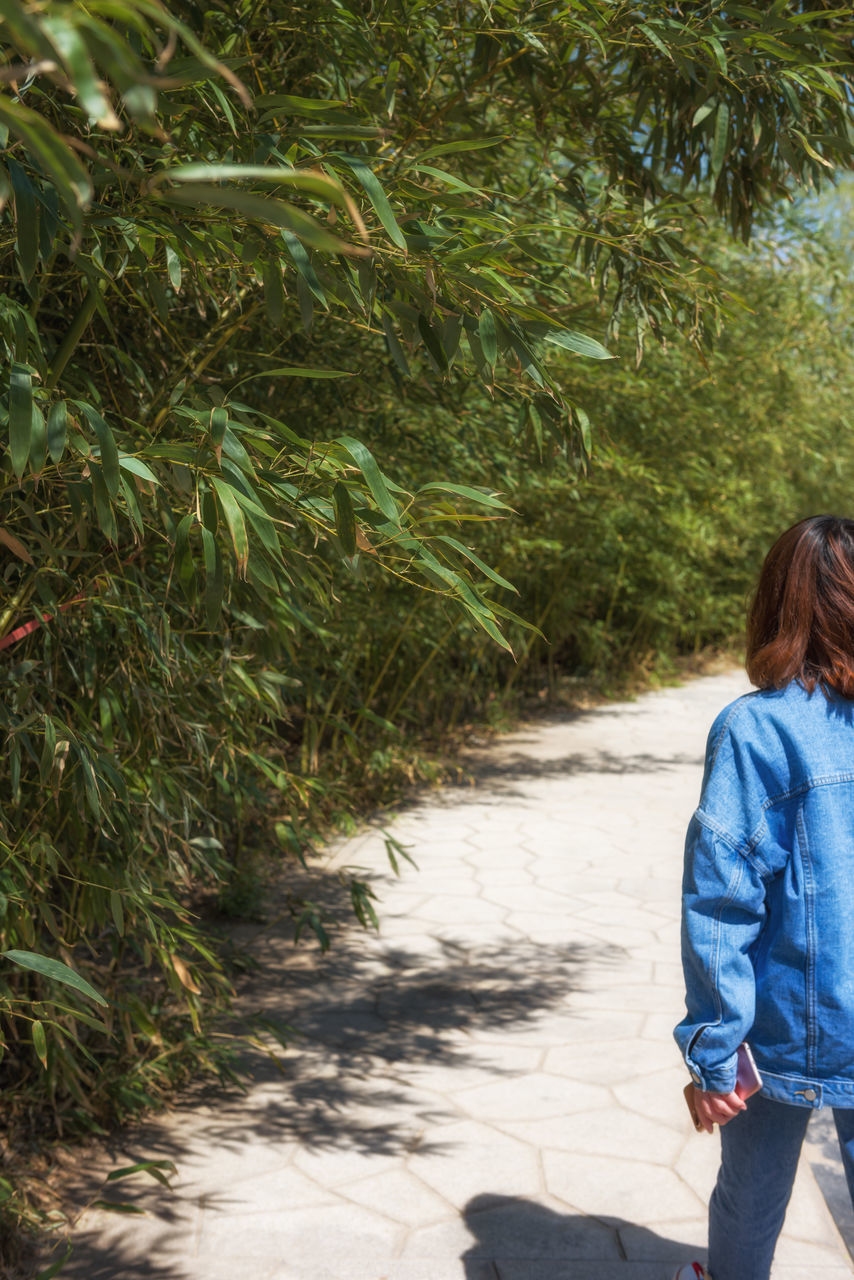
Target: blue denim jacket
768, 899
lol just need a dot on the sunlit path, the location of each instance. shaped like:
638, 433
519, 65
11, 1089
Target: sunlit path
489, 1089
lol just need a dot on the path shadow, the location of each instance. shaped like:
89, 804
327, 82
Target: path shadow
502, 766
513, 1239
116, 1264
519, 1239
366, 1018
822, 1150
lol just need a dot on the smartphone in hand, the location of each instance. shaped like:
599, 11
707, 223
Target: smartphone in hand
747, 1082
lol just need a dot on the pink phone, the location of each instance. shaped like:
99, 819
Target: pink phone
748, 1080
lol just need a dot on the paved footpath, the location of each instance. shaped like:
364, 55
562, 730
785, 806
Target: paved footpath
489, 1089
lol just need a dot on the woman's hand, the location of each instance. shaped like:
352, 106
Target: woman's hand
716, 1108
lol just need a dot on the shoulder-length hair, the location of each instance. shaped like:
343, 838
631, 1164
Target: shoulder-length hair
800, 625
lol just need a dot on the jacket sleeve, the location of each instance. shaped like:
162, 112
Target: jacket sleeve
723, 911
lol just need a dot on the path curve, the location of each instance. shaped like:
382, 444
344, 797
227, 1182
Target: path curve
489, 1089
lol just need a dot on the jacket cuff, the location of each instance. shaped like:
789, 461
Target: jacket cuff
720, 1079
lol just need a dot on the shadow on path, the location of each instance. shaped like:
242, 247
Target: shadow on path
362, 1021
518, 1239
513, 1239
365, 1020
499, 768
822, 1148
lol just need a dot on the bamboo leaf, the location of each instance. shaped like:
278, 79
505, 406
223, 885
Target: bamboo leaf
137, 467
26, 219
55, 970
103, 506
311, 181
274, 294
258, 518
463, 144
652, 35
54, 1268
134, 512
390, 87
27, 32
155, 1169
15, 546
451, 180
234, 520
67, 41
433, 343
345, 520
109, 452
234, 449
38, 441
490, 626
213, 578
219, 425
394, 347
482, 498
20, 417
718, 51
40, 1042
302, 262
580, 343
182, 537
57, 430
704, 110
296, 105
56, 159
256, 208
117, 912
292, 371
583, 421
476, 560
184, 976
377, 197
173, 268
488, 336
721, 140
366, 463
47, 759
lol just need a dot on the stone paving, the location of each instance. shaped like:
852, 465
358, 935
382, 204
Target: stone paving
489, 1089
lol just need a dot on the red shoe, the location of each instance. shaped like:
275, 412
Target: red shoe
692, 1271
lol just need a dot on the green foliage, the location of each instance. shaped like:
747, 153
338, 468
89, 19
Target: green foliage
699, 470
298, 303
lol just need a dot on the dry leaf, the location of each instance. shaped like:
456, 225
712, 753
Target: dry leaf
15, 545
362, 542
184, 976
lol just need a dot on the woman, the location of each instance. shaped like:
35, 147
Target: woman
768, 897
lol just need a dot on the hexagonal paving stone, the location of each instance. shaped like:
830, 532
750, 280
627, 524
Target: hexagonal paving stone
630, 996
461, 909
604, 1132
471, 1159
529, 1097
303, 1236
658, 1095
637, 1190
529, 897
400, 1196
333, 1166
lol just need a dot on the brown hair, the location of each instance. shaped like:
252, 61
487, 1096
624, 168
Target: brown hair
801, 622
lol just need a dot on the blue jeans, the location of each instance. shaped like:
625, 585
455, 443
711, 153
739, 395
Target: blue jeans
759, 1156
